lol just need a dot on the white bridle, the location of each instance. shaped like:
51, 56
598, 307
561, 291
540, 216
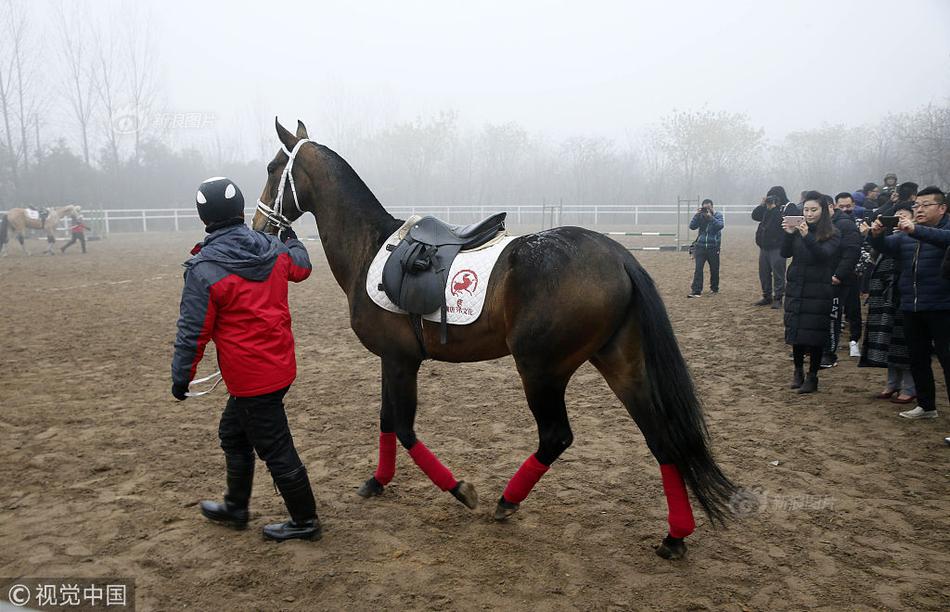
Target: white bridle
275, 215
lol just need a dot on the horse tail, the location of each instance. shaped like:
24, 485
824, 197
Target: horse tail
674, 415
4, 227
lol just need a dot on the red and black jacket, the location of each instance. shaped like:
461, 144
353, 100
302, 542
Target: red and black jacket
235, 293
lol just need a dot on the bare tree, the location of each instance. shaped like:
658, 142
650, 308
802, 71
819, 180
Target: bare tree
7, 88
142, 75
80, 70
108, 82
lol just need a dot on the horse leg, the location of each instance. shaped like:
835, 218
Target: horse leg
19, 238
386, 466
50, 241
545, 393
401, 376
621, 363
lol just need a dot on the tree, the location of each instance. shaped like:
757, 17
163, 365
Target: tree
79, 71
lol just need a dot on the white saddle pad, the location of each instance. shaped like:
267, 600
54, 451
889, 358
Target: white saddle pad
468, 280
33, 215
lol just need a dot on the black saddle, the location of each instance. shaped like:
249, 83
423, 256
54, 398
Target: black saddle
415, 275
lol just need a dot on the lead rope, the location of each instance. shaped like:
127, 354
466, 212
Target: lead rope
216, 375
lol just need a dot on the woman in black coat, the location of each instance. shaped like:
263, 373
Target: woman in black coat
812, 245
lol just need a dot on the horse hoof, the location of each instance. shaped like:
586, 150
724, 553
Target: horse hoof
465, 493
671, 548
370, 488
504, 509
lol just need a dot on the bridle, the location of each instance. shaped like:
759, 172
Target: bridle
275, 215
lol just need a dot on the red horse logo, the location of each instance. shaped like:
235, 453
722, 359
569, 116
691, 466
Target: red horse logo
464, 280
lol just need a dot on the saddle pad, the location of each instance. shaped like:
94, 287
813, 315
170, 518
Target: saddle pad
468, 281
33, 215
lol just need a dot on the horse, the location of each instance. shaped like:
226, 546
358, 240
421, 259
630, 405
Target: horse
17, 221
555, 300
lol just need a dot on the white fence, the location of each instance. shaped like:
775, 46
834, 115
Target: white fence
531, 215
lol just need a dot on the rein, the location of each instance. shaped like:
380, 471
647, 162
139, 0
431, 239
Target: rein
275, 215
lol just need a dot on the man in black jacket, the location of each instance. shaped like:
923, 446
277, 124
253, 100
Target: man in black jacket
846, 300
768, 237
919, 246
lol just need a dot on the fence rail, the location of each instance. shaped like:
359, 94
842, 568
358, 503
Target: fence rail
106, 221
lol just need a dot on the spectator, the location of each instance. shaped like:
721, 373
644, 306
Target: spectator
812, 245
890, 187
871, 195
710, 224
768, 237
884, 344
888, 346
845, 298
919, 249
858, 212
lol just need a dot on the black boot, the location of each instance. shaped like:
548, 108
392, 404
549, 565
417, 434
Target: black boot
304, 523
766, 301
797, 378
810, 385
233, 512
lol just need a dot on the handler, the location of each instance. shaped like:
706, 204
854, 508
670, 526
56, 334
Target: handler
235, 293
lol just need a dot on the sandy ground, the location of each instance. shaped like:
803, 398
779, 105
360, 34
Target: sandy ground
101, 470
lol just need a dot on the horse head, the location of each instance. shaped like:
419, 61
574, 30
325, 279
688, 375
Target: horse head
287, 194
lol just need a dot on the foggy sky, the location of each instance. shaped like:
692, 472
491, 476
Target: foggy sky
557, 68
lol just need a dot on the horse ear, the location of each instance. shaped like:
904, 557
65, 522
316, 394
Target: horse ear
301, 130
286, 138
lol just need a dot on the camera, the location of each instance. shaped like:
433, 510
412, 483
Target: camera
771, 200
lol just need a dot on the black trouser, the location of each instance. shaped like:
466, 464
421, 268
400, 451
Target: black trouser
80, 237
846, 302
814, 357
851, 309
702, 255
772, 273
259, 424
928, 333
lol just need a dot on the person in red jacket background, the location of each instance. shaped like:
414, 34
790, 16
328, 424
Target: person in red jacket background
235, 293
77, 233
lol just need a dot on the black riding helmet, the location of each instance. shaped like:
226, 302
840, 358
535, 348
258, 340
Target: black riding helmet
220, 203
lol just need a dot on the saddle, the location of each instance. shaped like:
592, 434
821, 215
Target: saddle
416, 273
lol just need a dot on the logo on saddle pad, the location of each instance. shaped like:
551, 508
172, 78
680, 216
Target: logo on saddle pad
464, 281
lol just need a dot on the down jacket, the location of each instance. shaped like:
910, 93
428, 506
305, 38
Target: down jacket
235, 293
808, 289
920, 257
849, 252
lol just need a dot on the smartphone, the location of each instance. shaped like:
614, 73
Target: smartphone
889, 221
793, 220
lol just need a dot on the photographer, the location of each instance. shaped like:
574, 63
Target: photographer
811, 241
710, 224
846, 300
888, 194
768, 237
919, 248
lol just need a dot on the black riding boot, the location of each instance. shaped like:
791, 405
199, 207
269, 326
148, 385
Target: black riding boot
233, 512
304, 523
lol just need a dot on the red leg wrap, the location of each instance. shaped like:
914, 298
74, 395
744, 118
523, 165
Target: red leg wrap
524, 480
386, 468
428, 463
680, 514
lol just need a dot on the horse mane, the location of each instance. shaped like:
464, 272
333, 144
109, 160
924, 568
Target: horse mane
361, 200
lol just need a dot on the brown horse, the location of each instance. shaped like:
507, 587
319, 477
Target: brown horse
555, 300
18, 221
